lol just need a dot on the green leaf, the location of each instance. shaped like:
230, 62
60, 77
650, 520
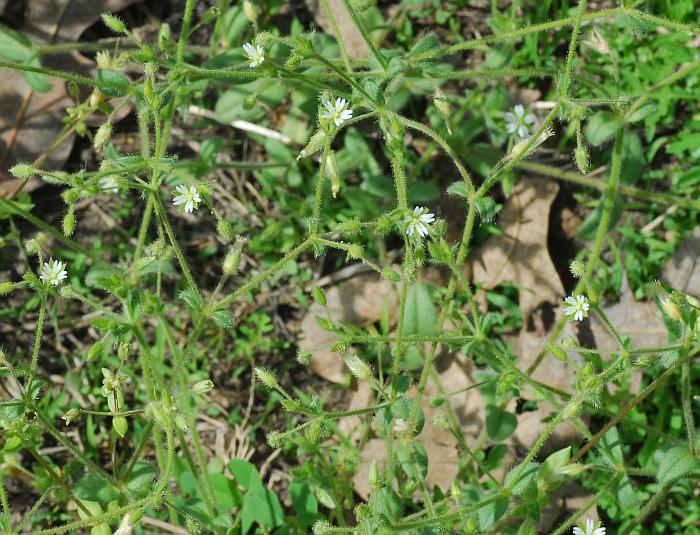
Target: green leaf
192, 299
425, 44
37, 81
601, 127
261, 508
305, 503
112, 83
500, 424
420, 316
526, 485
675, 463
458, 189
611, 442
120, 425
632, 163
14, 46
555, 461
246, 475
226, 495
141, 478
223, 318
626, 495
95, 489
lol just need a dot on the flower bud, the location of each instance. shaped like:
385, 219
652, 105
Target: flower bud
275, 439
69, 222
577, 269
443, 107
570, 470
123, 351
202, 387
582, 160
390, 275
103, 135
266, 377
317, 141
333, 173
303, 357
671, 308
232, 260
6, 288
22, 170
165, 36
358, 367
113, 23
572, 409
249, 10
355, 251
71, 415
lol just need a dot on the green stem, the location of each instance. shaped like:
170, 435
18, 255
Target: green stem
687, 409
338, 35
37, 341
365, 35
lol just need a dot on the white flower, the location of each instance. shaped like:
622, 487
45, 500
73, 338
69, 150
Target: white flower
187, 196
417, 222
590, 529
53, 272
578, 307
519, 120
255, 53
338, 112
109, 184
401, 425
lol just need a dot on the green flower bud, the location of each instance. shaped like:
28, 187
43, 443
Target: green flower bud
69, 223
303, 358
266, 377
123, 351
113, 23
102, 137
358, 367
353, 226
333, 173
232, 260
317, 141
355, 251
443, 108
570, 470
249, 102
202, 387
250, 12
275, 439
71, 415
23, 170
165, 36
6, 288
225, 230
578, 269
582, 160
669, 306
390, 275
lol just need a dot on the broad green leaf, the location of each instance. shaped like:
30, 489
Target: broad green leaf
141, 478
555, 461
427, 43
14, 46
675, 463
112, 83
223, 318
526, 485
120, 425
626, 495
500, 424
246, 475
420, 316
632, 163
611, 442
305, 503
94, 488
261, 508
192, 299
601, 127
226, 496
37, 81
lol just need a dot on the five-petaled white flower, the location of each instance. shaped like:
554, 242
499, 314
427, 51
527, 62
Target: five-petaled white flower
590, 529
418, 221
519, 121
255, 53
338, 112
187, 196
578, 307
53, 272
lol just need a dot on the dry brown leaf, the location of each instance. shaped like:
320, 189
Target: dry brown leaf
352, 38
357, 301
39, 115
520, 255
640, 320
682, 270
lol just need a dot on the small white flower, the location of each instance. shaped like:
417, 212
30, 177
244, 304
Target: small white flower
578, 307
590, 529
187, 196
109, 184
53, 272
417, 222
519, 120
255, 53
338, 112
401, 426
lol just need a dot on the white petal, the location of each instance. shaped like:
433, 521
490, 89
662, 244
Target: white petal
578, 316
570, 300
508, 116
529, 119
510, 127
522, 131
519, 110
578, 531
